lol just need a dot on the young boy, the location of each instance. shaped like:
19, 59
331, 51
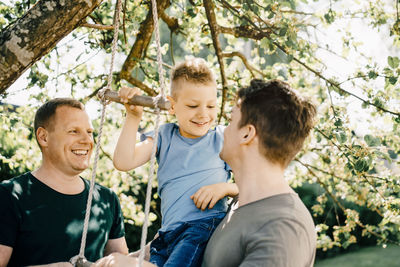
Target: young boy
191, 175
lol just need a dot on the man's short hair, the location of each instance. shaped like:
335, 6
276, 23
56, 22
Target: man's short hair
45, 114
282, 119
193, 70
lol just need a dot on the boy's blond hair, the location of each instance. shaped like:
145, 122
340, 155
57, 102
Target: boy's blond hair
193, 70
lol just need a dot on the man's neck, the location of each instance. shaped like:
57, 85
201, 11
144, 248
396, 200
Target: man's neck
258, 179
58, 180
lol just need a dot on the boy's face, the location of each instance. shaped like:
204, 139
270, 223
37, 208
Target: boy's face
194, 107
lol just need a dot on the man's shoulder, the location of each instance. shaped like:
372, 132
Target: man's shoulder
18, 181
278, 209
291, 213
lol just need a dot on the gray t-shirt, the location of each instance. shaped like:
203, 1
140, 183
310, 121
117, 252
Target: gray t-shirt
274, 231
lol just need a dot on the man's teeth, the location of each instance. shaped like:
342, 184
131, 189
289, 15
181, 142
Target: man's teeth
80, 152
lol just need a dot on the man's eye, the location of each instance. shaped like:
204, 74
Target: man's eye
189, 106
211, 106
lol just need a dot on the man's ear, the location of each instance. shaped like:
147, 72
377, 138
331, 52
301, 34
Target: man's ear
42, 136
247, 134
172, 101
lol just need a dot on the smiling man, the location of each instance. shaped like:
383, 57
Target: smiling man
42, 212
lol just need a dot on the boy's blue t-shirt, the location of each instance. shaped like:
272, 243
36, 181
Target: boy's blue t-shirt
184, 166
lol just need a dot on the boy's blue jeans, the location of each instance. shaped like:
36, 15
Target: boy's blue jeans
185, 245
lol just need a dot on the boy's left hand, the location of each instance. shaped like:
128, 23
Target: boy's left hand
210, 194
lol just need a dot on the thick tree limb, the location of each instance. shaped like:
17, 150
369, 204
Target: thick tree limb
172, 22
22, 43
139, 84
212, 22
140, 46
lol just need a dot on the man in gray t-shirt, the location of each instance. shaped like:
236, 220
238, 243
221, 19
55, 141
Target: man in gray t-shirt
274, 231
271, 226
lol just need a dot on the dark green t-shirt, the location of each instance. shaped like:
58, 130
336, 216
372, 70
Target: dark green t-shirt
44, 226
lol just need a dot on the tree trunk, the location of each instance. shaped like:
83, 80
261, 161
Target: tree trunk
36, 33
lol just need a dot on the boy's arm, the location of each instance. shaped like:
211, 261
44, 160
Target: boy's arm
210, 194
129, 155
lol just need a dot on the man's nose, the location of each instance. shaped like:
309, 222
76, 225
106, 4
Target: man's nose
87, 137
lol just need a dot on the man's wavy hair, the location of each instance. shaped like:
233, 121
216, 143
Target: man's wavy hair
282, 119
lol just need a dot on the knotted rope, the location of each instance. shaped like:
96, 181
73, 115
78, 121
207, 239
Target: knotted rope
81, 256
156, 130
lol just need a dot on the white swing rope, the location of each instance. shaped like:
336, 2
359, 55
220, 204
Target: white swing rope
156, 130
81, 256
104, 103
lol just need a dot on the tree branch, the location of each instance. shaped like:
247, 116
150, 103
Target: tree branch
333, 197
172, 22
139, 48
142, 86
339, 178
244, 31
212, 22
98, 26
22, 43
244, 60
266, 34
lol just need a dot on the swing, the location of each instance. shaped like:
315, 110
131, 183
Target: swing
106, 95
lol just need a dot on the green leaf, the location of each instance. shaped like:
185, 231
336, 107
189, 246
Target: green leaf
372, 74
338, 123
341, 137
361, 165
283, 31
271, 15
377, 102
392, 80
330, 16
393, 62
392, 154
372, 141
264, 43
191, 12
